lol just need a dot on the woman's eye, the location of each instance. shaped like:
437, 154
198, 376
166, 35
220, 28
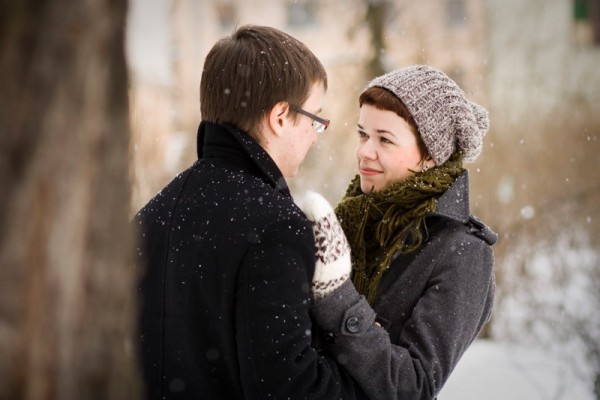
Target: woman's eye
384, 140
362, 134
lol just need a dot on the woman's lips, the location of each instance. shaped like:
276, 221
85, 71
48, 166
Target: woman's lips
368, 171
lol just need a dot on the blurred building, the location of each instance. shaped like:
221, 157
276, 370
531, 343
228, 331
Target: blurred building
521, 59
449, 34
543, 87
543, 56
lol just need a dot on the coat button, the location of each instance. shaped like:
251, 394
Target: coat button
352, 324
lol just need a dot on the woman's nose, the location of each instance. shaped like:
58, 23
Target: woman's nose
366, 150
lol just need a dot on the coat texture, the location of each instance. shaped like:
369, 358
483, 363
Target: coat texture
226, 261
431, 304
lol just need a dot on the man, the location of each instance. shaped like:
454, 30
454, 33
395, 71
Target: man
227, 256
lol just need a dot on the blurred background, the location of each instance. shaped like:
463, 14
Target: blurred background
534, 64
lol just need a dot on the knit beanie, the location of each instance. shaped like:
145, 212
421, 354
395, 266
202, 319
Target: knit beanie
445, 119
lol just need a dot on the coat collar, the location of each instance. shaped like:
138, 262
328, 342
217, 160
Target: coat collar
454, 204
225, 145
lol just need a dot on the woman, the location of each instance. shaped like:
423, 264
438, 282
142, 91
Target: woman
422, 281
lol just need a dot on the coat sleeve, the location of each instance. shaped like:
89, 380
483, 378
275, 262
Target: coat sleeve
274, 325
416, 362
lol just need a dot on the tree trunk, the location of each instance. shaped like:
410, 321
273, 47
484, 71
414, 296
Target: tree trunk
66, 277
375, 16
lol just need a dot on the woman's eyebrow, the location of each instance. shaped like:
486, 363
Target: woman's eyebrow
385, 131
377, 130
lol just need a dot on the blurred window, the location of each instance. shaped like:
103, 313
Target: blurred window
457, 74
301, 13
226, 13
586, 22
456, 13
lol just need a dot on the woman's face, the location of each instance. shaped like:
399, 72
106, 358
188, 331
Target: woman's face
387, 149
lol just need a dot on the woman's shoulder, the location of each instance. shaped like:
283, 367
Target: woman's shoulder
479, 229
446, 227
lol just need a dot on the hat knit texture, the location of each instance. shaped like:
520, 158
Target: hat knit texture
445, 119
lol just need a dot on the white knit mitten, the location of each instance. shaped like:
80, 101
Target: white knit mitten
332, 250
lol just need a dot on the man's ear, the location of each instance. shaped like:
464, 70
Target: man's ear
278, 117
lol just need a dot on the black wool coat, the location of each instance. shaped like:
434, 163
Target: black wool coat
226, 262
430, 305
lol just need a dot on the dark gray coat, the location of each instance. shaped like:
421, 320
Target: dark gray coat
431, 305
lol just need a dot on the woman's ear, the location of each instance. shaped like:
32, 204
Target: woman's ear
278, 117
427, 163
429, 160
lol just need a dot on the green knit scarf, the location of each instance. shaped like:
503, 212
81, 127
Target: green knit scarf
379, 224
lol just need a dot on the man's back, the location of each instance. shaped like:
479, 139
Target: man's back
190, 290
225, 293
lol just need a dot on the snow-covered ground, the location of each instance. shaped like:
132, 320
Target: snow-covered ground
499, 371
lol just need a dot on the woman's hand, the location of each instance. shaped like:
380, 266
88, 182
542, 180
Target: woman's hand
333, 264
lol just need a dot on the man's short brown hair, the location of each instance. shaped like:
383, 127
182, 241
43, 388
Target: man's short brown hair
247, 73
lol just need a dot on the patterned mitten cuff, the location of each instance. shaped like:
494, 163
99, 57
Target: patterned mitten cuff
332, 250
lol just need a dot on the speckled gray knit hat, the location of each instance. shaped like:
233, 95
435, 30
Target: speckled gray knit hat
446, 120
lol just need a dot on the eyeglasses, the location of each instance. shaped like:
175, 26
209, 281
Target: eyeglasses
318, 124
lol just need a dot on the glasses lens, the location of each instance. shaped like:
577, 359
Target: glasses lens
317, 126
